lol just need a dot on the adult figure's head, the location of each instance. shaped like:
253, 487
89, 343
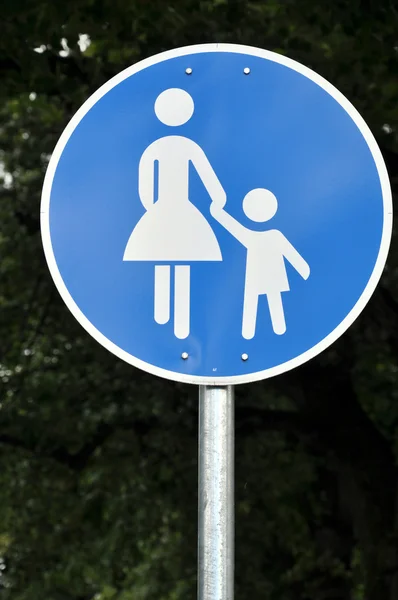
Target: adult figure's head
174, 107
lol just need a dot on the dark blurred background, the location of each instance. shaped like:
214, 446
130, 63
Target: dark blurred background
98, 461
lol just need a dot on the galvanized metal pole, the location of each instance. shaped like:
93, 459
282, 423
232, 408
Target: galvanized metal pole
216, 493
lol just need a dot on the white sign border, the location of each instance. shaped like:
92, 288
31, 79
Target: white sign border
250, 377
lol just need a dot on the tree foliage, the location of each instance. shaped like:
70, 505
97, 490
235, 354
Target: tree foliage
97, 459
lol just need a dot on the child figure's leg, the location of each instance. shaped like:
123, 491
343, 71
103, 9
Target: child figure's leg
162, 294
250, 304
275, 306
182, 301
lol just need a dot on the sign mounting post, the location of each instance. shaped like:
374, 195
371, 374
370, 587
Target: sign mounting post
216, 493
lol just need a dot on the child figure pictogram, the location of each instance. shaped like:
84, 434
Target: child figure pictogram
265, 263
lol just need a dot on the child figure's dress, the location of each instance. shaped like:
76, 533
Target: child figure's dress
265, 264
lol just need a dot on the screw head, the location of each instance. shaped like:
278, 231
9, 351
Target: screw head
184, 355
246, 70
245, 356
188, 71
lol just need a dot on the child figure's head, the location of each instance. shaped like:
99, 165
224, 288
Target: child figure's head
260, 205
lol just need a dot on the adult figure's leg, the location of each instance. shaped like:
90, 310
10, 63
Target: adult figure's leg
275, 306
182, 301
162, 294
250, 304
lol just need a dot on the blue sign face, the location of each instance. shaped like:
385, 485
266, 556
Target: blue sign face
216, 214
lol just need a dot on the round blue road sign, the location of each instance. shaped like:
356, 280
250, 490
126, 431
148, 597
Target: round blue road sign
216, 214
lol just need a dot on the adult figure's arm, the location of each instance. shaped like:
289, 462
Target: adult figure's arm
146, 177
295, 259
236, 229
207, 175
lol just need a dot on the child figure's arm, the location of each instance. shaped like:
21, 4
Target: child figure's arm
295, 259
232, 225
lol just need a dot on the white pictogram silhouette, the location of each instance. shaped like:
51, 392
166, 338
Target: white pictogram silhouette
265, 265
172, 228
